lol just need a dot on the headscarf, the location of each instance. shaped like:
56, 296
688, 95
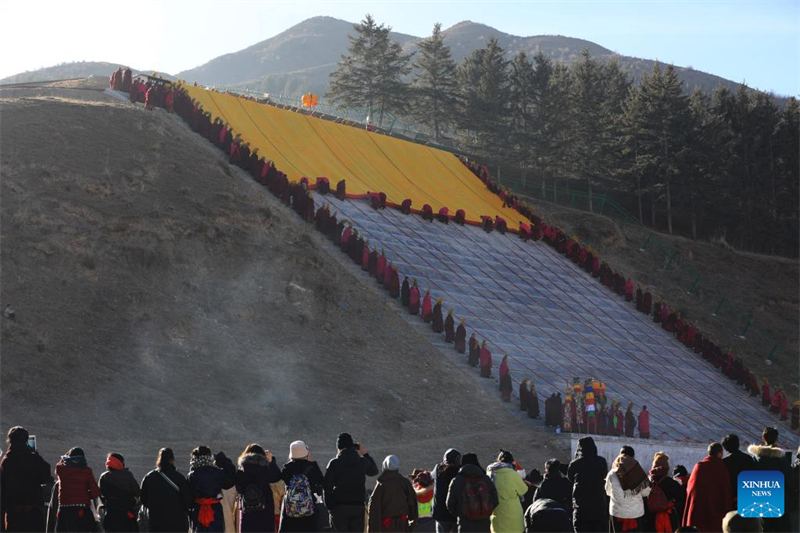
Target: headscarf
631, 476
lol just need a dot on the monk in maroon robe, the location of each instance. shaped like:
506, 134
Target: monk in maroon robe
380, 267
460, 217
629, 290
387, 276
639, 298
427, 309
488, 223
449, 327
394, 291
523, 396
474, 351
127, 76
405, 207
505, 380
501, 224
413, 299
437, 321
344, 242
427, 213
341, 190
323, 185
461, 337
657, 311
708, 493
406, 292
372, 261
443, 215
524, 231
485, 361
321, 217
309, 208
647, 301
356, 247
765, 396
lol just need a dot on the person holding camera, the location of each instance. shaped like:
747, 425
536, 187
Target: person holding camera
23, 474
345, 484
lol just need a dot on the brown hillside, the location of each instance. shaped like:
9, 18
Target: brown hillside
163, 298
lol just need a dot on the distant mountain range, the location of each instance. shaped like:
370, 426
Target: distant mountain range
300, 59
77, 69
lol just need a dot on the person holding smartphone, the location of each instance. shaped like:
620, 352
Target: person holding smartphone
23, 472
345, 484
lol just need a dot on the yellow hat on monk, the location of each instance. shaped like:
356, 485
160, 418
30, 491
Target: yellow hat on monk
449, 311
438, 300
463, 321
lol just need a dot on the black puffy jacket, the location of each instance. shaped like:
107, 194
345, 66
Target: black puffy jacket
346, 478
587, 472
443, 474
547, 515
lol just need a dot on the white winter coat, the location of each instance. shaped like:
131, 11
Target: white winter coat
622, 506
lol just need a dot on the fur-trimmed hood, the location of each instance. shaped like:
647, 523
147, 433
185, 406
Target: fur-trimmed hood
253, 459
762, 451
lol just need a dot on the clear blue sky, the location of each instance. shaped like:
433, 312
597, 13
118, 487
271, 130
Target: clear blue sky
756, 41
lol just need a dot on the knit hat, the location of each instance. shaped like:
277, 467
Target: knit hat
344, 440
392, 462
661, 459
298, 450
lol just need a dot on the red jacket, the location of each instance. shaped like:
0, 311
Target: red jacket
76, 485
708, 495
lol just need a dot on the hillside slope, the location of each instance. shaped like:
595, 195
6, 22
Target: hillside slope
162, 298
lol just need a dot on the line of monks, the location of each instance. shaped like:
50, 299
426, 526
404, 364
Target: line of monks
686, 332
299, 196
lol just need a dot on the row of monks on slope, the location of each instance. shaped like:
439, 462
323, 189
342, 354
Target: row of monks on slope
298, 196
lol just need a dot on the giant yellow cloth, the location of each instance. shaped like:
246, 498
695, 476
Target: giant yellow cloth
301, 145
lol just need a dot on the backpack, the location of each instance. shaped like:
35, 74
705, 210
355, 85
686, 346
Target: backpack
252, 499
477, 499
298, 502
657, 501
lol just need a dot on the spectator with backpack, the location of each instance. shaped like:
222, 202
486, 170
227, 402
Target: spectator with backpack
345, 484
665, 503
472, 497
257, 471
393, 503
626, 485
442, 475
166, 496
303, 479
507, 516
209, 475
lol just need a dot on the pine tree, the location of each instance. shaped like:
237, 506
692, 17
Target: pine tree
549, 115
371, 76
435, 88
589, 150
483, 94
663, 139
520, 109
